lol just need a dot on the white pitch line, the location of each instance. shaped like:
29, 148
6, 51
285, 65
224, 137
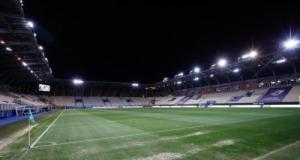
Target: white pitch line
161, 131
277, 150
37, 140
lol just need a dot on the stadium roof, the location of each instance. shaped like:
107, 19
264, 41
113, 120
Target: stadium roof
274, 65
22, 59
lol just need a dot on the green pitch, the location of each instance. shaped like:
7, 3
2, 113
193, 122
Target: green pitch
154, 134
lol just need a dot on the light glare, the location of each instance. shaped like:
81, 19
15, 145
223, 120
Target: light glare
41, 48
30, 24
222, 63
280, 61
8, 49
77, 81
135, 85
291, 44
236, 70
165, 79
196, 70
179, 82
24, 64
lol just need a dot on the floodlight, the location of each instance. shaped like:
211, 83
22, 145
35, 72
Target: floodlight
135, 85
8, 49
31, 71
196, 70
34, 34
278, 81
196, 79
41, 47
211, 76
272, 82
24, 64
179, 82
222, 62
291, 44
180, 74
253, 54
78, 81
2, 42
165, 79
30, 24
236, 70
18, 58
280, 61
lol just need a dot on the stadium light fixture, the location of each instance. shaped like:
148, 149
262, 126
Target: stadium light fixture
30, 24
180, 74
41, 47
251, 55
272, 82
291, 44
196, 79
179, 82
24, 64
135, 85
236, 70
280, 61
213, 66
8, 49
196, 70
278, 81
78, 81
222, 63
165, 79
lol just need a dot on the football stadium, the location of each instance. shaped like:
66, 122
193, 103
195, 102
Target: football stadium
243, 106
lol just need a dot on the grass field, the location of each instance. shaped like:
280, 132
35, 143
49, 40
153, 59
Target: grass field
151, 134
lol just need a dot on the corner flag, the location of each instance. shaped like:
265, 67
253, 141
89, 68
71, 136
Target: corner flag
31, 118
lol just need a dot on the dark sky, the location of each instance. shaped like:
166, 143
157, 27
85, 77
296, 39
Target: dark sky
144, 42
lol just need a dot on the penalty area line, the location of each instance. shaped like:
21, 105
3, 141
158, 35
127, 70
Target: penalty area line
37, 140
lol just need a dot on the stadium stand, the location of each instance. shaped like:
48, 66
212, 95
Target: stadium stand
253, 96
294, 95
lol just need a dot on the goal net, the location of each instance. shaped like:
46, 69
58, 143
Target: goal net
23, 110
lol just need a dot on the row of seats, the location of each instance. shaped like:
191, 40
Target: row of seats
244, 96
98, 101
13, 98
238, 97
294, 95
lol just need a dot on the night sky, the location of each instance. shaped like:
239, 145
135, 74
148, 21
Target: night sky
144, 42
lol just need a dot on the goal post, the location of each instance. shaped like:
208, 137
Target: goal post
20, 110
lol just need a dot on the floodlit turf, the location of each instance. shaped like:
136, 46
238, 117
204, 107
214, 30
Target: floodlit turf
212, 134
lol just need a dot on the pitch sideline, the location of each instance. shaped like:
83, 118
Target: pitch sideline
37, 140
